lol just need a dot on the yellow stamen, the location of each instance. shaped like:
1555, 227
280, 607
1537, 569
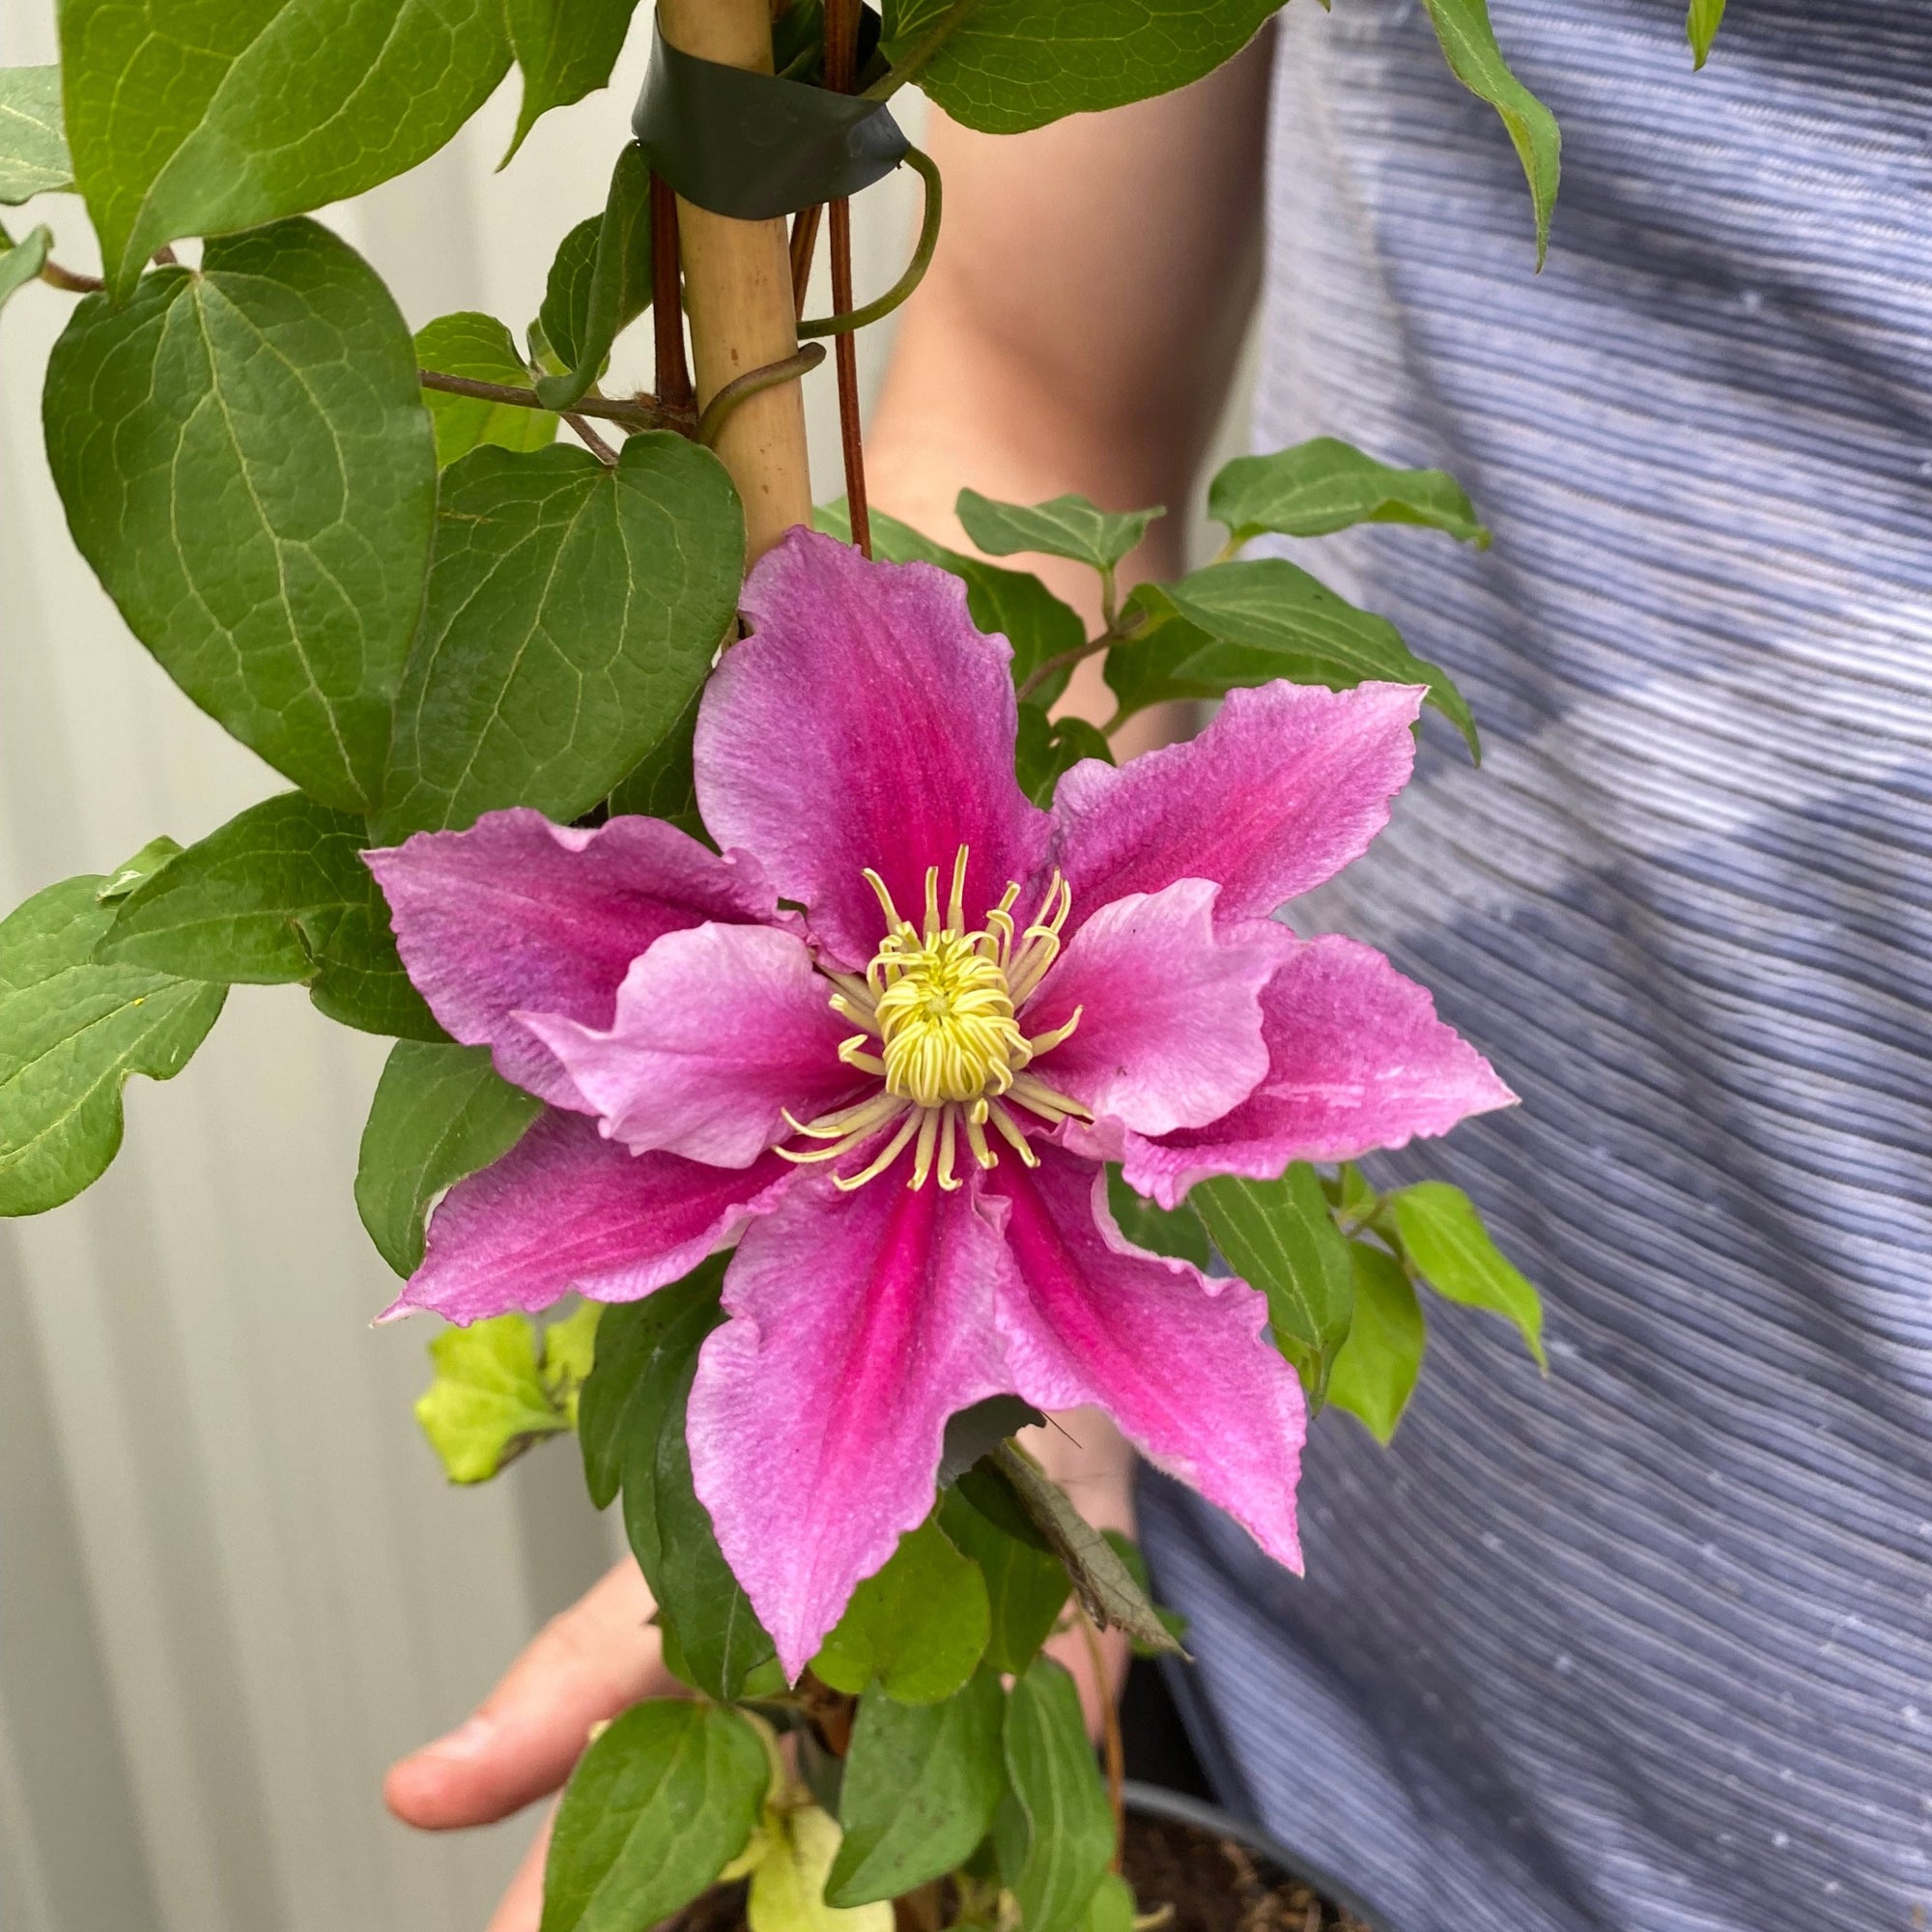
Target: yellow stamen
1003, 1121
846, 1183
949, 1123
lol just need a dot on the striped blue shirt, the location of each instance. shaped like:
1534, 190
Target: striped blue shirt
1645, 1647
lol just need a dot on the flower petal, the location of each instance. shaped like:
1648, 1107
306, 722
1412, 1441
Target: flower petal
1357, 1060
859, 1324
864, 722
518, 914
1169, 1032
567, 1208
1287, 785
1182, 1362
719, 1030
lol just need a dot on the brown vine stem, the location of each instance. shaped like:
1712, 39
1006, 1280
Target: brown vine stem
627, 413
592, 441
55, 277
673, 373
1066, 660
1114, 1750
804, 242
841, 53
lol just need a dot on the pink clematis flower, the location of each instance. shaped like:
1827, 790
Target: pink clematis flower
898, 1096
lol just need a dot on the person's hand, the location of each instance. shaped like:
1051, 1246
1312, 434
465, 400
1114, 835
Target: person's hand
602, 1655
597, 1658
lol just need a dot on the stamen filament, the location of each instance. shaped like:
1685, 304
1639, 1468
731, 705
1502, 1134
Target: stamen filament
846, 1183
922, 1158
1003, 1121
948, 1124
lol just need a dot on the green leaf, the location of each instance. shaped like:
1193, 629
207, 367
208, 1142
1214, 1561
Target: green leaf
1130, 1553
1279, 1236
247, 463
1105, 1587
599, 282
573, 613
1700, 27
1026, 1587
489, 1401
1069, 1834
143, 866
278, 895
1161, 1230
1009, 64
1237, 624
788, 1893
440, 1113
723, 1640
71, 1033
918, 1792
1375, 1369
1469, 44
566, 49
1445, 1239
919, 1626
1048, 749
661, 1802
1112, 1907
643, 1348
480, 348
21, 261
1327, 485
630, 1421
199, 117
1012, 604
32, 150
664, 785
1069, 527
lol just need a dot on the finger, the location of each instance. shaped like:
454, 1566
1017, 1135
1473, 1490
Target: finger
1071, 1648
598, 1658
521, 1906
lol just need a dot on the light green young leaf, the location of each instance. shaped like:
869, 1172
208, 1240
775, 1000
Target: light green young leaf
440, 1112
247, 463
1011, 604
1327, 485
1700, 27
658, 1806
918, 1792
1048, 748
1374, 1373
1445, 1239
489, 1401
1175, 1231
480, 348
32, 150
71, 1033
1470, 45
1003, 66
1106, 1588
1026, 1587
200, 117
566, 49
1069, 1834
788, 1890
569, 1354
573, 613
1279, 1236
21, 261
1237, 624
278, 895
1069, 526
918, 1627
1112, 1907
600, 282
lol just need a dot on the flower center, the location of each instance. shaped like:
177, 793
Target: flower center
945, 1018
939, 1007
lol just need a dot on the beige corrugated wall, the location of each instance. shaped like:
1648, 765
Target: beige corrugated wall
232, 1582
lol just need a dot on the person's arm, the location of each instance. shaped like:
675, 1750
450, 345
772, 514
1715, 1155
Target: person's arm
1078, 331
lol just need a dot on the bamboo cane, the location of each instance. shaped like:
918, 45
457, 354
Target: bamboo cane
738, 288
